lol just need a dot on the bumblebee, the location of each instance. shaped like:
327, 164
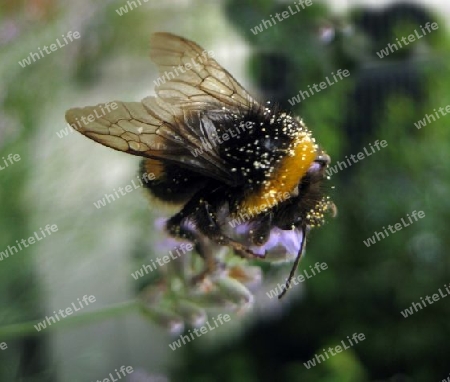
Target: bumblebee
242, 174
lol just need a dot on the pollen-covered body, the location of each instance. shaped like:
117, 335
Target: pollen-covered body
216, 153
270, 158
267, 152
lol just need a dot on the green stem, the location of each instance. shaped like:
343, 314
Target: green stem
27, 328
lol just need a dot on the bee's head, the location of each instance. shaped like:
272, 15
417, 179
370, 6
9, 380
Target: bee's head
315, 174
314, 203
309, 197
320, 164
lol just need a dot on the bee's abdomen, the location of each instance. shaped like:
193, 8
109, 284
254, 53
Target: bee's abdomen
170, 183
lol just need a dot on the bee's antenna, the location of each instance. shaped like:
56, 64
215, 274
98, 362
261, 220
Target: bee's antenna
294, 267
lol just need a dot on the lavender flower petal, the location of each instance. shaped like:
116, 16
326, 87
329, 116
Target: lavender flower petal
287, 242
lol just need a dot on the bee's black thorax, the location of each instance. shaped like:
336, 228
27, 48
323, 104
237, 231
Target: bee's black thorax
253, 140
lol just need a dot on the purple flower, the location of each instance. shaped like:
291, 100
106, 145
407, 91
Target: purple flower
281, 244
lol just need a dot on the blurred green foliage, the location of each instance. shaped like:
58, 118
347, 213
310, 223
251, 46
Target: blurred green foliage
365, 288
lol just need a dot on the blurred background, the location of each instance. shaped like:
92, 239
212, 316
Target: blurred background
61, 174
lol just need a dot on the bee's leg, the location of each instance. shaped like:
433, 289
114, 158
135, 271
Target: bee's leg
213, 230
260, 234
178, 226
206, 233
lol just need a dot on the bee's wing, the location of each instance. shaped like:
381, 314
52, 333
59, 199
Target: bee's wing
152, 129
190, 77
170, 127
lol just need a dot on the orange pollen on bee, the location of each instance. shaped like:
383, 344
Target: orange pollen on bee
286, 176
155, 167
